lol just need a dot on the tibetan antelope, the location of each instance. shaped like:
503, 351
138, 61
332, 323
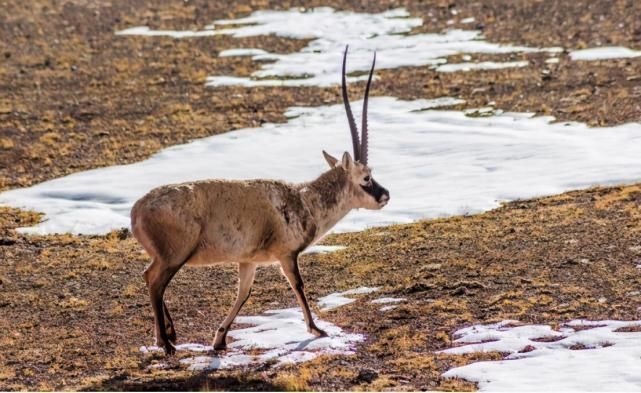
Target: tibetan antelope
250, 223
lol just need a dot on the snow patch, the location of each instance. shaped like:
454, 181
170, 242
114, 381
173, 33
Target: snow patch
318, 63
434, 162
321, 249
483, 65
335, 300
604, 53
580, 356
388, 300
146, 31
388, 33
383, 300
242, 52
279, 336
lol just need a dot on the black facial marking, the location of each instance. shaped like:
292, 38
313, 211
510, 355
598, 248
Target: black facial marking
375, 190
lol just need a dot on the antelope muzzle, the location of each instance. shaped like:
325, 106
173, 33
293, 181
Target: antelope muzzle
378, 192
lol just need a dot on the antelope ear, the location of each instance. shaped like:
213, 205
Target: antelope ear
330, 159
347, 161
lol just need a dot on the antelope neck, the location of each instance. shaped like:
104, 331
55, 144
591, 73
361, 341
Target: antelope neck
327, 199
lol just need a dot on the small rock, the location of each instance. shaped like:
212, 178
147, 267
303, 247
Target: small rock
123, 234
527, 348
419, 287
366, 376
460, 291
7, 241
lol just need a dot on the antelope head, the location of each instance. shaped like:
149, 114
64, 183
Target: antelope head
366, 192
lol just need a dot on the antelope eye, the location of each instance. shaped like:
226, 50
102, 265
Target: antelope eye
367, 179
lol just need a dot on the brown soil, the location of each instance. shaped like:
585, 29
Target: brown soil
74, 310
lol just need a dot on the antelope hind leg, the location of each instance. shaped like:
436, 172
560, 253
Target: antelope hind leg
169, 324
158, 276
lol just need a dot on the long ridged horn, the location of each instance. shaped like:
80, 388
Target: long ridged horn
364, 135
348, 110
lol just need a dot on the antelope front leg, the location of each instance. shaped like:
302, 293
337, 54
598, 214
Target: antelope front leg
289, 266
246, 273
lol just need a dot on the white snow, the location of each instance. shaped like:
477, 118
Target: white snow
277, 335
388, 33
610, 362
335, 300
146, 31
434, 162
322, 249
388, 300
483, 65
384, 300
242, 52
603, 53
318, 63
552, 60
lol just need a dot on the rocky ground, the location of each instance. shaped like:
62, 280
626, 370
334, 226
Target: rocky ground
74, 310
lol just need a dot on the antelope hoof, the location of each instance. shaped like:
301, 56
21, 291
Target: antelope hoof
171, 334
220, 342
317, 332
169, 349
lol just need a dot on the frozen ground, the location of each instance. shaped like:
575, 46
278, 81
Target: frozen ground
278, 336
580, 356
389, 33
434, 162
